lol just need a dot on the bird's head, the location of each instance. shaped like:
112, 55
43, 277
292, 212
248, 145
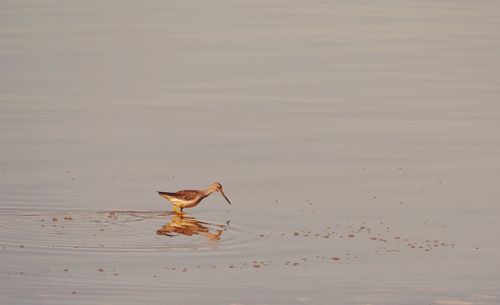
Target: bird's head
217, 187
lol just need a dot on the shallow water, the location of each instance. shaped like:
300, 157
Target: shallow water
358, 142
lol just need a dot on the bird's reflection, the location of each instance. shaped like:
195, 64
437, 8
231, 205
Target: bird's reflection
184, 224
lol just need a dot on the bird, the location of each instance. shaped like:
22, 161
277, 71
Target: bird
191, 198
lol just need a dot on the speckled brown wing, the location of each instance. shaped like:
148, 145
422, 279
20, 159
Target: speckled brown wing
186, 195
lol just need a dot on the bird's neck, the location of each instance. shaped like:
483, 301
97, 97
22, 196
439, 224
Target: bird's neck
208, 191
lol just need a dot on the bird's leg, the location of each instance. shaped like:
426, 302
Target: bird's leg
177, 209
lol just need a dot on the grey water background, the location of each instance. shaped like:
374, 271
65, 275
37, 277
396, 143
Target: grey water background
316, 116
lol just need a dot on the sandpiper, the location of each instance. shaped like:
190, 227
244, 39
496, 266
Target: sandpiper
191, 198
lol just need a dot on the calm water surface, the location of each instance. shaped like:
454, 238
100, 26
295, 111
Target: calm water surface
358, 141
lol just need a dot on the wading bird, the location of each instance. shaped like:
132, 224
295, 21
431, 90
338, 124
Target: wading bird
191, 198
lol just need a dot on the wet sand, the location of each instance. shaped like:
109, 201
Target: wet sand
358, 142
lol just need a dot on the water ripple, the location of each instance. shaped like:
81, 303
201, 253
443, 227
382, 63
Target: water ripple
145, 231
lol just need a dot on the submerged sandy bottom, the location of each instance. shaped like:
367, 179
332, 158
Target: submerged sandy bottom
357, 141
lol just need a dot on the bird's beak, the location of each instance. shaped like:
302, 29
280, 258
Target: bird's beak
222, 193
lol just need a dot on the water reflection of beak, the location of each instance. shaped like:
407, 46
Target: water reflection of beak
222, 193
